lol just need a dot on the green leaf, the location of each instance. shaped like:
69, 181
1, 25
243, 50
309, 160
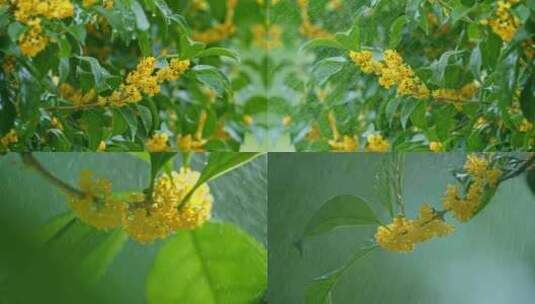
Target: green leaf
100, 74
395, 31
320, 290
14, 30
89, 252
141, 19
340, 211
527, 99
321, 42
159, 160
476, 62
217, 263
220, 163
95, 264
211, 77
54, 227
350, 39
189, 48
218, 51
326, 68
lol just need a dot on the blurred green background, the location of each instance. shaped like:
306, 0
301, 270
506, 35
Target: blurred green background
489, 260
30, 275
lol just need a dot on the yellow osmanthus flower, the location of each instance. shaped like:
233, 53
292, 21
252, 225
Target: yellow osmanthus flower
436, 146
8, 64
26, 10
483, 176
248, 120
195, 142
505, 24
167, 212
77, 97
157, 143
10, 138
29, 12
32, 42
144, 80
286, 120
267, 37
220, 31
102, 146
200, 5
334, 5
403, 234
525, 126
96, 206
467, 92
376, 143
392, 72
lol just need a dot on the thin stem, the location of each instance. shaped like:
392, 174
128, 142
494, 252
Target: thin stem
29, 160
521, 169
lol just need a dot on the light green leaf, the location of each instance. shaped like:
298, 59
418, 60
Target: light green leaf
95, 264
340, 211
220, 163
396, 30
321, 42
217, 263
326, 68
218, 51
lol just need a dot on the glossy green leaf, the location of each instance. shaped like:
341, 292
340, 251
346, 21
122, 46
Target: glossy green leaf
340, 211
217, 263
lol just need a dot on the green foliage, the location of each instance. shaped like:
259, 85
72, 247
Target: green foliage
95, 48
215, 264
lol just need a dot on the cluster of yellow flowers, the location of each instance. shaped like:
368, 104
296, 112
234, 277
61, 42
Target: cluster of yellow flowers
200, 5
8, 139
392, 72
505, 24
340, 143
465, 93
376, 143
144, 80
77, 97
220, 31
403, 234
483, 175
158, 143
97, 207
29, 12
143, 220
307, 28
165, 215
267, 37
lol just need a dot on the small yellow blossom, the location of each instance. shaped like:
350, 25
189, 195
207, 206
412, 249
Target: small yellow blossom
505, 24
10, 138
436, 146
346, 144
158, 143
525, 126
96, 206
403, 234
376, 143
32, 42
166, 211
102, 146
